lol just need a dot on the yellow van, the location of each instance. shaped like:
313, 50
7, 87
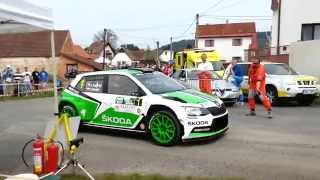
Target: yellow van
190, 59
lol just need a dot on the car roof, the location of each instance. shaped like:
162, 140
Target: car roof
261, 63
118, 71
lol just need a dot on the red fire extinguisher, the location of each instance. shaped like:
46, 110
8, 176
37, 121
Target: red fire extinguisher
38, 156
52, 158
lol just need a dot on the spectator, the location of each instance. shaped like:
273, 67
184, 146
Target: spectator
205, 65
1, 84
35, 78
18, 76
44, 78
27, 80
7, 74
168, 68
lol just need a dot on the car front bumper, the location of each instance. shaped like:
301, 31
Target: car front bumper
219, 125
227, 96
294, 91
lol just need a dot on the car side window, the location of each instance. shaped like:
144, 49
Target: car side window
122, 85
91, 84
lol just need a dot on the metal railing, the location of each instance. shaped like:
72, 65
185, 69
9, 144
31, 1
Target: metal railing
25, 89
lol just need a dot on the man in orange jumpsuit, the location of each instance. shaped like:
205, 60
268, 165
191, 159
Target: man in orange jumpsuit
257, 86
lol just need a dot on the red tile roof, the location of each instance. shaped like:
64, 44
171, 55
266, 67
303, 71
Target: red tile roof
226, 30
96, 48
78, 50
83, 60
34, 44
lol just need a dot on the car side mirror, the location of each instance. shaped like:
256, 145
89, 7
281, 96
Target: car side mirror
138, 93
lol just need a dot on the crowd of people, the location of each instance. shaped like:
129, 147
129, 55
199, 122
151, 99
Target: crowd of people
22, 81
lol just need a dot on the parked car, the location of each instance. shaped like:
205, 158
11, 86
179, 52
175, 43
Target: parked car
225, 90
144, 101
284, 83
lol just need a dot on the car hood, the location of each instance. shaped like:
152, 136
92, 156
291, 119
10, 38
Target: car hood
294, 77
190, 96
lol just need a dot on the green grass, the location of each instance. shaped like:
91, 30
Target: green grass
146, 177
39, 95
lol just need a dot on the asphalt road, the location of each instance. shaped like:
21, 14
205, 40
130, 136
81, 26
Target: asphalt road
286, 147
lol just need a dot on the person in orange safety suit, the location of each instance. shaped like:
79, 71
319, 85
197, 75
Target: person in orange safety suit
257, 86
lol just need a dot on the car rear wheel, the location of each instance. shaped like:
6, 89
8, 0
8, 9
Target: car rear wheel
165, 128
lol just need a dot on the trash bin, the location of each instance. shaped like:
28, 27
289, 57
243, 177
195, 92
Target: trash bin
205, 78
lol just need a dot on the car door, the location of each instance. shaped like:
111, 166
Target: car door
87, 102
121, 103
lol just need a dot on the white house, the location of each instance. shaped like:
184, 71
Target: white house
166, 55
293, 21
230, 40
121, 59
96, 50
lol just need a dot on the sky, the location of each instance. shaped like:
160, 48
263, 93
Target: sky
143, 22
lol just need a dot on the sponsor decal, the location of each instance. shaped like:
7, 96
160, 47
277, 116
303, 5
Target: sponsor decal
125, 108
198, 123
116, 120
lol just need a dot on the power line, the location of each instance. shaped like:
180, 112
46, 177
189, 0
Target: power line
149, 28
230, 5
188, 28
215, 5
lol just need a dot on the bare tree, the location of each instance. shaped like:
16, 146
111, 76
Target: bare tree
111, 37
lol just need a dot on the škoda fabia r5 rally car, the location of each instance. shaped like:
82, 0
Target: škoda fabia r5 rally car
141, 100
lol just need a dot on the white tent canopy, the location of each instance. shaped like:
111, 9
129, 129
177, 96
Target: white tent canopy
121, 59
25, 13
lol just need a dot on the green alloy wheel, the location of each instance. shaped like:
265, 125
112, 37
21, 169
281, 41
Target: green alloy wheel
68, 109
164, 128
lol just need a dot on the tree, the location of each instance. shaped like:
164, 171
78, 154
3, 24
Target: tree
148, 54
111, 37
130, 47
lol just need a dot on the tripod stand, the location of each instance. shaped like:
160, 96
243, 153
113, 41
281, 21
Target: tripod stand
74, 145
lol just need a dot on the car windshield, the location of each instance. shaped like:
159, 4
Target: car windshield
279, 69
158, 83
194, 75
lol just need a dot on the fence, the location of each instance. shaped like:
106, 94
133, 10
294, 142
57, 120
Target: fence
25, 89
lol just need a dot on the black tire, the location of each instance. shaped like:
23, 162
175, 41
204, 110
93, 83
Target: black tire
272, 94
176, 138
69, 109
306, 101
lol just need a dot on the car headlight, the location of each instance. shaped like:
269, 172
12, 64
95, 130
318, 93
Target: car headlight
196, 111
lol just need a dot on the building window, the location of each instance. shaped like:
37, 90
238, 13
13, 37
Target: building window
209, 43
236, 42
310, 32
237, 58
72, 68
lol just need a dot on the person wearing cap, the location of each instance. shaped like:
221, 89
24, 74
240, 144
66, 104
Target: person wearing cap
168, 68
257, 86
205, 65
7, 74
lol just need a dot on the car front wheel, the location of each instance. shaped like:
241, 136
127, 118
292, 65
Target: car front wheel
68, 109
165, 128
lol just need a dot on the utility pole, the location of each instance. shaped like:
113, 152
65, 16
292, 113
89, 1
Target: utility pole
279, 28
171, 49
104, 49
158, 61
196, 38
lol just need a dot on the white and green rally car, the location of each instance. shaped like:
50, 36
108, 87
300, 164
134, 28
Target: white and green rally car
141, 100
